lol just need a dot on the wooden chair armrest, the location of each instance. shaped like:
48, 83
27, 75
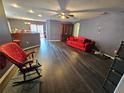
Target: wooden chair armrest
30, 53
30, 62
27, 62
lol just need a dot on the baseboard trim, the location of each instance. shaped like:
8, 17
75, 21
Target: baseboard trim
6, 77
109, 56
6, 74
54, 40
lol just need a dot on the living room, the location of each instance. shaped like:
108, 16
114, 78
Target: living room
76, 41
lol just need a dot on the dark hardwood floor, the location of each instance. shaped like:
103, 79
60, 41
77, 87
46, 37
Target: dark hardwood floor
65, 70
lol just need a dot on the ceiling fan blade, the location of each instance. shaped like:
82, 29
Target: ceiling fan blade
44, 9
98, 10
55, 15
71, 15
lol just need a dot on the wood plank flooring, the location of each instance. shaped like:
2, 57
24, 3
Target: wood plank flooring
66, 70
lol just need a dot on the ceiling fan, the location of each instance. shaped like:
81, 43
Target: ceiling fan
66, 14
63, 13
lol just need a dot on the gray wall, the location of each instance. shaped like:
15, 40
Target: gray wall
106, 30
4, 33
20, 24
54, 30
4, 30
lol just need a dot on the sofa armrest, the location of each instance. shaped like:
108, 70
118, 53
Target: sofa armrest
88, 46
67, 39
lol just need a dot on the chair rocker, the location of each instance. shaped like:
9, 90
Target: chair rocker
15, 54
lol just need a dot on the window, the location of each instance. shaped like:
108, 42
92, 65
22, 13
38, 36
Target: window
33, 28
76, 29
37, 28
40, 30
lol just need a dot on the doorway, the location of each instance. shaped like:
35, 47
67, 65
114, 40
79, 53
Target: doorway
39, 29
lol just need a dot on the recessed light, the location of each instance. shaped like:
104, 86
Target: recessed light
30, 11
15, 5
40, 15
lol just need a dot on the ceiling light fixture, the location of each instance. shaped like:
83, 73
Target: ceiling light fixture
40, 15
31, 11
63, 17
15, 5
62, 13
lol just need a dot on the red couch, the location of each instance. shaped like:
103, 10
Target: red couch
81, 43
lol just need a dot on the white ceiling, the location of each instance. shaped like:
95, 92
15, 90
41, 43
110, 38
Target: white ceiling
49, 8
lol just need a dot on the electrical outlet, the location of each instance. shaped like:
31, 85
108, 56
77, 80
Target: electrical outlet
99, 29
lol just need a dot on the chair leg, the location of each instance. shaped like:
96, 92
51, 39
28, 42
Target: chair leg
37, 72
38, 63
24, 76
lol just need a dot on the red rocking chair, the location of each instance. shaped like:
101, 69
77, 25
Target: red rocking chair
17, 56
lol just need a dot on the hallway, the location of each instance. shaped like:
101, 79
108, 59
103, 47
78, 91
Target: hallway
65, 70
